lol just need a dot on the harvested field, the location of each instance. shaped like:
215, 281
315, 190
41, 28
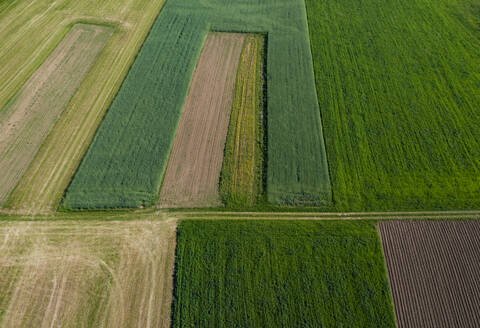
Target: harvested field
193, 172
241, 183
30, 31
31, 114
434, 270
90, 274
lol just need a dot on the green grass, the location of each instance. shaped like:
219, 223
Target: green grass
398, 86
280, 274
126, 161
241, 183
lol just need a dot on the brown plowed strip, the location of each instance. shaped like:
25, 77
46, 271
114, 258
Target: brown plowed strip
434, 270
193, 171
27, 120
94, 274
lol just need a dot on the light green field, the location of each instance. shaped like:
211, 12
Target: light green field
30, 30
398, 84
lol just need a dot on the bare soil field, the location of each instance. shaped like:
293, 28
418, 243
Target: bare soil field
434, 270
193, 172
90, 274
31, 114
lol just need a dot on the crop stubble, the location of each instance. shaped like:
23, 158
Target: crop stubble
29, 117
434, 270
86, 274
193, 172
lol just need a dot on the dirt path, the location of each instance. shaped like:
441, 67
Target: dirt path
434, 270
193, 172
63, 274
27, 120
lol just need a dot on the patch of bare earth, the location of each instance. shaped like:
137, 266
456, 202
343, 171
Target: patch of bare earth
26, 121
116, 274
434, 271
193, 172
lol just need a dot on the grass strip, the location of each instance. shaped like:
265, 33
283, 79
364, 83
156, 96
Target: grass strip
241, 183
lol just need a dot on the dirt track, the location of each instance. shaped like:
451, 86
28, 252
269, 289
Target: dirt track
27, 120
193, 172
95, 274
434, 270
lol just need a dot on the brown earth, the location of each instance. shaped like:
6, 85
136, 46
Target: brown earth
95, 274
29, 117
193, 172
434, 271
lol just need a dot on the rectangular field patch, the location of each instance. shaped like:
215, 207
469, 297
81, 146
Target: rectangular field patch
86, 274
28, 118
193, 171
434, 270
280, 274
242, 178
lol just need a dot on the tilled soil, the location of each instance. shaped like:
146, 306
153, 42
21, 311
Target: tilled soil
434, 271
193, 172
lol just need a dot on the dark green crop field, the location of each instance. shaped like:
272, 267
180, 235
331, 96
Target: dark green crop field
126, 161
280, 274
398, 85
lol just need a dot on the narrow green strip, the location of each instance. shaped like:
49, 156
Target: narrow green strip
242, 173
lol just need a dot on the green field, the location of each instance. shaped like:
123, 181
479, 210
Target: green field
280, 274
242, 180
398, 85
126, 161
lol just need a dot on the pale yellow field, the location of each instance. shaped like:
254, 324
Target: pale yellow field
28, 118
30, 30
89, 274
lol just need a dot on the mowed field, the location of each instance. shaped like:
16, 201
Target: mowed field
242, 178
28, 118
280, 274
434, 270
398, 87
30, 31
86, 274
125, 164
193, 172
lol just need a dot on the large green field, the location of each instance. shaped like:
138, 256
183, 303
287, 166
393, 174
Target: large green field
398, 85
126, 161
280, 274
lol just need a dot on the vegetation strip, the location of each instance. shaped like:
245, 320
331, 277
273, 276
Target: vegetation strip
280, 274
434, 270
397, 84
28, 118
193, 171
88, 274
29, 33
126, 162
241, 183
